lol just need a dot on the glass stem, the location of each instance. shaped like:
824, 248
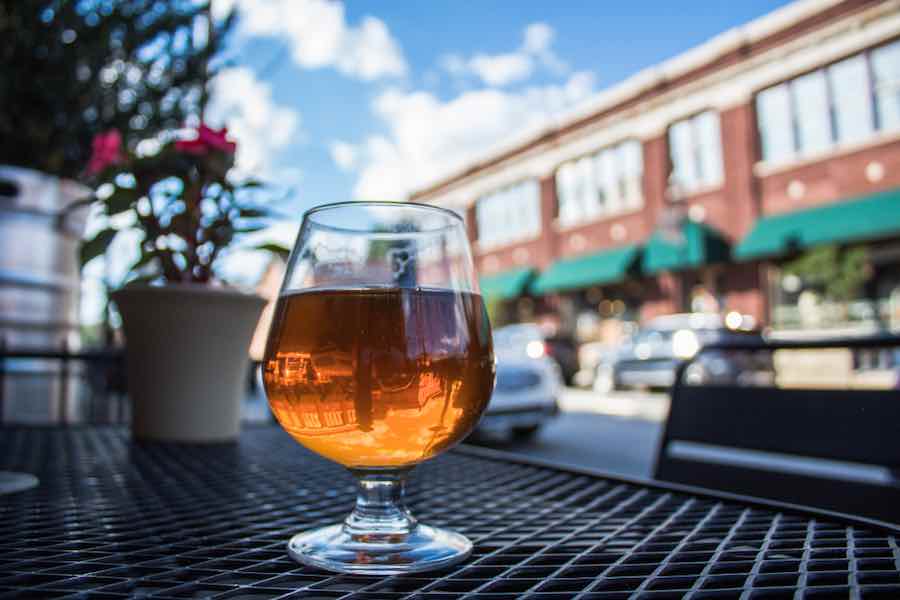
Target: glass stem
379, 505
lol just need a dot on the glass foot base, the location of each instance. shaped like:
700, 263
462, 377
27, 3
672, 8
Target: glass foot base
422, 549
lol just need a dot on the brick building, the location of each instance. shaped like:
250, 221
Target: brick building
689, 185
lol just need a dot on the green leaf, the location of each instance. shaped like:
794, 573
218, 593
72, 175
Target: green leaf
250, 228
121, 200
143, 279
97, 245
840, 274
276, 249
252, 213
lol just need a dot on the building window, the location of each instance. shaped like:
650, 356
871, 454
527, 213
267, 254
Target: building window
812, 114
695, 147
773, 111
854, 117
886, 69
600, 185
845, 102
509, 215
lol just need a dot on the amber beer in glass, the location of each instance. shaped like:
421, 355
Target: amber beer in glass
379, 357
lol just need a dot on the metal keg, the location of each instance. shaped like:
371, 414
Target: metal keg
40, 232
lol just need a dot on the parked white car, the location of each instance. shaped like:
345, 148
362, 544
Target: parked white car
527, 388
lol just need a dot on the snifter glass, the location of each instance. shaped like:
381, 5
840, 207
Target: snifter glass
379, 357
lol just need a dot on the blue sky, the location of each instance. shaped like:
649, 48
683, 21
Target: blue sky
604, 42
369, 100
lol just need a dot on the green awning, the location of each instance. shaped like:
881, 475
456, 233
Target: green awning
870, 217
584, 271
697, 245
506, 285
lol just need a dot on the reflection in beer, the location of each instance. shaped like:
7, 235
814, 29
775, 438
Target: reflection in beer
378, 377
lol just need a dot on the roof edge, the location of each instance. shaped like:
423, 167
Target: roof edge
644, 80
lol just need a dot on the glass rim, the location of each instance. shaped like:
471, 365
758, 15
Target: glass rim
309, 213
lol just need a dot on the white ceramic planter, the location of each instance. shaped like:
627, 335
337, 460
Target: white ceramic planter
187, 360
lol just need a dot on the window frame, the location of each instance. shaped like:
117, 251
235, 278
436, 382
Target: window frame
497, 212
873, 91
870, 97
696, 153
876, 126
608, 209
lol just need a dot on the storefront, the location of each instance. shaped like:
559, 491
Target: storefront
503, 294
834, 267
690, 261
587, 291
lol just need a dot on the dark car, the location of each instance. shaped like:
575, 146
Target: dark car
650, 358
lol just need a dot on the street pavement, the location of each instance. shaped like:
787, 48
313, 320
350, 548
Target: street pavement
616, 432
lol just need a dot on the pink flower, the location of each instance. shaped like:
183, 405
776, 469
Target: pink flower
107, 150
207, 140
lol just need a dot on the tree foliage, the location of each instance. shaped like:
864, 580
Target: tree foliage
75, 68
839, 274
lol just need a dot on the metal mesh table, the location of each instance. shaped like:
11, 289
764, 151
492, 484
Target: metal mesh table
112, 519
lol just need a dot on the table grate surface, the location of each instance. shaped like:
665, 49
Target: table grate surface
113, 519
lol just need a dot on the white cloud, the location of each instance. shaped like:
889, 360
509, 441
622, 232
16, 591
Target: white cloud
318, 36
242, 266
428, 138
501, 69
343, 154
538, 41
385, 177
498, 70
260, 126
538, 37
454, 64
370, 52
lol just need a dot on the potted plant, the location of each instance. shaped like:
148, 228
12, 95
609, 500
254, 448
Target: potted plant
70, 71
186, 333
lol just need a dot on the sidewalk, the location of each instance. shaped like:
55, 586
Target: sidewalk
633, 405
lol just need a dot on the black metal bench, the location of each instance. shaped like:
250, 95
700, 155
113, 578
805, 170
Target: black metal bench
837, 449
